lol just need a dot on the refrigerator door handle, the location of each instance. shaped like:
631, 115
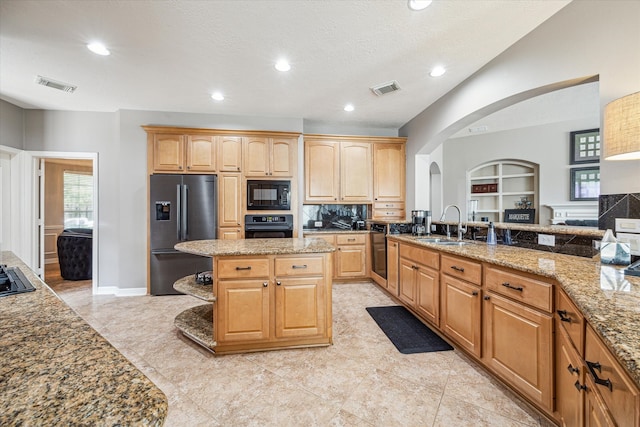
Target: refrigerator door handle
178, 211
184, 226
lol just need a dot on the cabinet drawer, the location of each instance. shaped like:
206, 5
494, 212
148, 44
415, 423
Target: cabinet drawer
351, 239
234, 268
468, 270
329, 238
571, 320
388, 205
621, 397
382, 213
300, 266
422, 256
519, 287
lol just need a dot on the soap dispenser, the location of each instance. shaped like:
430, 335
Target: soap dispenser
491, 234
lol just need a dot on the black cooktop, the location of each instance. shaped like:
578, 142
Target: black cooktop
13, 281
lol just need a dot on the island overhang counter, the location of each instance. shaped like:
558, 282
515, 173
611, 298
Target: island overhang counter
266, 294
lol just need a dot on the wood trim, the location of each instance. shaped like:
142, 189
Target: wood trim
229, 132
353, 138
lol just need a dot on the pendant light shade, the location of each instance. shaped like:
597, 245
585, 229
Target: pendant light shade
622, 128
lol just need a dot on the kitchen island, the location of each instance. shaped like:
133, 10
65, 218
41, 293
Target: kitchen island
57, 370
266, 294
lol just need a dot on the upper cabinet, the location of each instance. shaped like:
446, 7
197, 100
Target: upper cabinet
343, 169
230, 148
187, 150
269, 156
389, 161
184, 153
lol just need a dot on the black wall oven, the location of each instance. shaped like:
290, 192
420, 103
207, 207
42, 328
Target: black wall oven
268, 226
268, 195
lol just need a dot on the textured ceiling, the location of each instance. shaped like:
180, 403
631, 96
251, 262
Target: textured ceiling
171, 55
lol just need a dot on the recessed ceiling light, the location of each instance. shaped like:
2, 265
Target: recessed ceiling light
283, 65
98, 48
218, 96
349, 107
418, 4
437, 71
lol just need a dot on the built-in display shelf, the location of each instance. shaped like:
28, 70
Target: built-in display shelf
187, 285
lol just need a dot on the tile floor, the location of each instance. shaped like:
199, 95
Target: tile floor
362, 380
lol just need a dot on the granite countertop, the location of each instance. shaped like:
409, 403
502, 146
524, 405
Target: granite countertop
609, 300
309, 232
57, 370
538, 228
255, 247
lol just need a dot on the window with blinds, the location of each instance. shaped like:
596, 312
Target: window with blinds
78, 199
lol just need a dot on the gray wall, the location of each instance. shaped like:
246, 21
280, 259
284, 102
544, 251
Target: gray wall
545, 145
556, 51
11, 125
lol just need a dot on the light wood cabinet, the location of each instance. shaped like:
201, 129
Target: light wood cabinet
270, 157
321, 171
618, 393
184, 153
518, 347
419, 286
461, 303
272, 301
230, 153
569, 381
389, 164
351, 256
355, 172
230, 220
392, 268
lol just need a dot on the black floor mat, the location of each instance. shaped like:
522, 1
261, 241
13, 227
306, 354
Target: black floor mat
405, 331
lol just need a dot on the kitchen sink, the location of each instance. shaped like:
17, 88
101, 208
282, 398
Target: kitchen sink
443, 242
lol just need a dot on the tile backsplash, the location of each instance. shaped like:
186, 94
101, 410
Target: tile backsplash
332, 216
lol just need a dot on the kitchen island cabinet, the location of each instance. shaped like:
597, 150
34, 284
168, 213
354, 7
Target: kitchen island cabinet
267, 294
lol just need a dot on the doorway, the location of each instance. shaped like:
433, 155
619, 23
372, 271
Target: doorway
68, 208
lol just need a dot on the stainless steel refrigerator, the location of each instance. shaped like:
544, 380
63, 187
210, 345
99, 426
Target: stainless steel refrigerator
183, 207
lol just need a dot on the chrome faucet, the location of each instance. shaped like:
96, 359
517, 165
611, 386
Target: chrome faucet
461, 229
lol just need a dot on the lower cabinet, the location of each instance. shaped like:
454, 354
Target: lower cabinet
271, 302
419, 285
392, 268
461, 311
518, 347
351, 256
569, 381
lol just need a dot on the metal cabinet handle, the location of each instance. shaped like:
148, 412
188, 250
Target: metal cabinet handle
515, 288
265, 284
487, 297
351, 240
456, 268
592, 368
475, 293
299, 266
579, 386
563, 316
278, 283
573, 370
243, 268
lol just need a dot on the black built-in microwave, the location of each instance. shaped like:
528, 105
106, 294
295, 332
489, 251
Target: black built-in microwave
268, 195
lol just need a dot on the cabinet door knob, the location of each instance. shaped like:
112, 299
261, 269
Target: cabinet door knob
487, 298
573, 370
579, 386
278, 283
265, 284
474, 293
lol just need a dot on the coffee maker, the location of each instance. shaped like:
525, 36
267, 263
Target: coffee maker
420, 223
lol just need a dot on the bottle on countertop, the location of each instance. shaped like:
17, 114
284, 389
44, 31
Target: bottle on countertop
491, 234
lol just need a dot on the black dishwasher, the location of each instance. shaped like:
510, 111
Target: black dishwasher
378, 233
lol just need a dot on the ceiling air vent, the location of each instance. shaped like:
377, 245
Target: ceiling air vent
65, 87
386, 88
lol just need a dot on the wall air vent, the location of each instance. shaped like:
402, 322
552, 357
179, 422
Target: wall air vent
384, 88
65, 87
